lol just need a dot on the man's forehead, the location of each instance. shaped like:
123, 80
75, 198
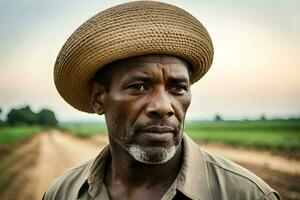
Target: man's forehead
152, 65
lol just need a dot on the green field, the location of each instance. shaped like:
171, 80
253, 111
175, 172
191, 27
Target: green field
87, 129
282, 135
17, 133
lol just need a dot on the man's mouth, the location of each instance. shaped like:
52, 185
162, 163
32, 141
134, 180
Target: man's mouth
158, 129
157, 133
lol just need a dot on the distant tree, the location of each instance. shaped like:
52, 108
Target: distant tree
22, 116
294, 118
1, 122
263, 117
218, 117
47, 118
245, 119
26, 116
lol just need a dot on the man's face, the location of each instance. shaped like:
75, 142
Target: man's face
145, 106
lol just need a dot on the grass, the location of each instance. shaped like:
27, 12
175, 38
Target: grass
281, 135
84, 130
18, 133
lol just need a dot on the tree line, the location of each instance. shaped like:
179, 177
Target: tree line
25, 116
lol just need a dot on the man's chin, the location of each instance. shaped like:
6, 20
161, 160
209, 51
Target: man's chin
151, 155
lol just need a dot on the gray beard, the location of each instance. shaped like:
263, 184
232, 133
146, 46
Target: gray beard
139, 154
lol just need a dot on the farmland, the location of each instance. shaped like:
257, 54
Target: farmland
17, 133
84, 130
280, 135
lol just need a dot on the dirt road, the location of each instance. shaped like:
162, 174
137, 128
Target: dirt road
49, 154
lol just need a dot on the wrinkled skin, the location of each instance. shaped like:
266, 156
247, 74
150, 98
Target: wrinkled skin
144, 101
147, 94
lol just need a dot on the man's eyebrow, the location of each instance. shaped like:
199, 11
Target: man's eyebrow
171, 79
139, 78
178, 79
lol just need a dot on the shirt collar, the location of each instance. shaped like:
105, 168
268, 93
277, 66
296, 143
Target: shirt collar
94, 174
192, 179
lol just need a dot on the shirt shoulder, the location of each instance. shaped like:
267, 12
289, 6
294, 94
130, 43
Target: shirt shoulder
68, 185
229, 180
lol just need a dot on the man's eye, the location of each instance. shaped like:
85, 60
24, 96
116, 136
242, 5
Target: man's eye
179, 89
138, 87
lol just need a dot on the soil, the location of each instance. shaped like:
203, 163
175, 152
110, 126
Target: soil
49, 154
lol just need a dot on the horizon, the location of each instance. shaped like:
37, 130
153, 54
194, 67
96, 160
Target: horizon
101, 119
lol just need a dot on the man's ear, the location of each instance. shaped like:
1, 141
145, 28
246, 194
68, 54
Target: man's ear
97, 97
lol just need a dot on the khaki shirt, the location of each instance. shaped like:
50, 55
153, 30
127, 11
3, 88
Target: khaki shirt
203, 176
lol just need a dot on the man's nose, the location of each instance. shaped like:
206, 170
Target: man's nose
160, 105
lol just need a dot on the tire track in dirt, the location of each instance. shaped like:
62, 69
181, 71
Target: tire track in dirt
20, 158
59, 152
56, 152
261, 158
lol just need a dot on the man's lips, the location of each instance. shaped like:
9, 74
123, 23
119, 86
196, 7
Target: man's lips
157, 129
157, 133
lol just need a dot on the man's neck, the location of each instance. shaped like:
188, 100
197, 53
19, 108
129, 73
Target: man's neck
130, 174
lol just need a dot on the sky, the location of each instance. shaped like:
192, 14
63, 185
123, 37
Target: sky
256, 67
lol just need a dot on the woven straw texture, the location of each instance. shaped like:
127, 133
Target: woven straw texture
127, 30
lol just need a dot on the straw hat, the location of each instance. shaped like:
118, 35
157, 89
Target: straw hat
128, 30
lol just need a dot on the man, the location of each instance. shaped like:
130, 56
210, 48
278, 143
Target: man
135, 63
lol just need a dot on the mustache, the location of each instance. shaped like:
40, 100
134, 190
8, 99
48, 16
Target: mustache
158, 126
